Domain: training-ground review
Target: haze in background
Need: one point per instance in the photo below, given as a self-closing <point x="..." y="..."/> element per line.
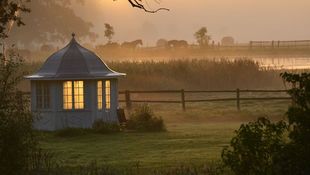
<point x="245" y="20"/>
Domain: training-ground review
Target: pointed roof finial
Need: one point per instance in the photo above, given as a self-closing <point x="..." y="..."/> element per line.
<point x="73" y="35"/>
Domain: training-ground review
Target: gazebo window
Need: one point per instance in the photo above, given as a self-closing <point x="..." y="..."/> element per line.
<point x="99" y="94"/>
<point x="78" y="95"/>
<point x="107" y="94"/>
<point x="42" y="96"/>
<point x="67" y="95"/>
<point x="73" y="92"/>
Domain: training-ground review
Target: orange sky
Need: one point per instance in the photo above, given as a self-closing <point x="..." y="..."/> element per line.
<point x="245" y="20"/>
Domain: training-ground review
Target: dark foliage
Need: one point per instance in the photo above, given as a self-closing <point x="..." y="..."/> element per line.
<point x="260" y="148"/>
<point x="297" y="157"/>
<point x="17" y="139"/>
<point x="254" y="148"/>
<point x="8" y="10"/>
<point x="102" y="127"/>
<point x="143" y="119"/>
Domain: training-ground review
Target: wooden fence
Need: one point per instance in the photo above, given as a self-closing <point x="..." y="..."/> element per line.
<point x="128" y="100"/>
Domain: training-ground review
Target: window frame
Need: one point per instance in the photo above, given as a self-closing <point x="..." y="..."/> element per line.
<point x="43" y="95"/>
<point x="105" y="95"/>
<point x="72" y="103"/>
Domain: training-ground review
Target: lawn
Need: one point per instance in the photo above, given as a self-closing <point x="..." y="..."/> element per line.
<point x="196" y="136"/>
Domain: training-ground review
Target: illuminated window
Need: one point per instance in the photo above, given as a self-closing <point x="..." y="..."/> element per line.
<point x="67" y="95"/>
<point x="107" y="94"/>
<point x="42" y="96"/>
<point x="78" y="95"/>
<point x="73" y="92"/>
<point x="99" y="94"/>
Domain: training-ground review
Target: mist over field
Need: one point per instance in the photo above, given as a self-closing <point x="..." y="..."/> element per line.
<point x="154" y="87"/>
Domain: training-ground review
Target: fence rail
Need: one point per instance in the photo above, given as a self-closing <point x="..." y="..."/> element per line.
<point x="128" y="100"/>
<point x="128" y="94"/>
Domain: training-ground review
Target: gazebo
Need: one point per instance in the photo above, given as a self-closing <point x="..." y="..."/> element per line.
<point x="74" y="88"/>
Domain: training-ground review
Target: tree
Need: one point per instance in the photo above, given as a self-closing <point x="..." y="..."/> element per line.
<point x="260" y="148"/>
<point x="17" y="139"/>
<point x="202" y="37"/>
<point x="9" y="10"/>
<point x="108" y="32"/>
<point x="296" y="159"/>
<point x="53" y="21"/>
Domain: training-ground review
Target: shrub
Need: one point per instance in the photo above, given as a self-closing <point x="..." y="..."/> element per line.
<point x="143" y="119"/>
<point x="72" y="132"/>
<point x="17" y="139"/>
<point x="255" y="147"/>
<point x="102" y="127"/>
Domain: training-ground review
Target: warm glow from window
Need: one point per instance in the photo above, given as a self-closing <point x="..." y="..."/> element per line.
<point x="78" y="95"/>
<point x="67" y="95"/>
<point x="107" y="94"/>
<point x="99" y="94"/>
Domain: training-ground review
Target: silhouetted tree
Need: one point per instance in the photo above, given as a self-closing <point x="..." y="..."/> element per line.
<point x="9" y="10"/>
<point x="108" y="32"/>
<point x="52" y="21"/>
<point x="202" y="37"/>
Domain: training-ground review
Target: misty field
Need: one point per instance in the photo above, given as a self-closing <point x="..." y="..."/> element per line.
<point x="196" y="136"/>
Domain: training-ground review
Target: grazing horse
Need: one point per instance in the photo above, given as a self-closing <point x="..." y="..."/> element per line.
<point x="177" y="44"/>
<point x="132" y="44"/>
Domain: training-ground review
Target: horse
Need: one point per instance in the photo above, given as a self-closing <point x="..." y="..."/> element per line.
<point x="132" y="44"/>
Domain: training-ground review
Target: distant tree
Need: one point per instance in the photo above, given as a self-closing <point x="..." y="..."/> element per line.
<point x="108" y="32"/>
<point x="202" y="37"/>
<point x="52" y="21"/>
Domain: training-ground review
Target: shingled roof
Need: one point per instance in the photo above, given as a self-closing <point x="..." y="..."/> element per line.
<point x="74" y="62"/>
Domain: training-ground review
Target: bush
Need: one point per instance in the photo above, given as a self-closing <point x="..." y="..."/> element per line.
<point x="102" y="127"/>
<point x="256" y="147"/>
<point x="17" y="139"/>
<point x="143" y="119"/>
<point x="72" y="132"/>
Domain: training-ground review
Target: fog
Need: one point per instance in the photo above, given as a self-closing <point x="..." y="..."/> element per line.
<point x="245" y="20"/>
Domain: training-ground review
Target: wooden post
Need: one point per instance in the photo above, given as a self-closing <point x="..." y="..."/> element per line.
<point x="183" y="99"/>
<point x="238" y="99"/>
<point x="127" y="99"/>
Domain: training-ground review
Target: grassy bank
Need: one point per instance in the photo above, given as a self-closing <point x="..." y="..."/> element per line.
<point x="196" y="136"/>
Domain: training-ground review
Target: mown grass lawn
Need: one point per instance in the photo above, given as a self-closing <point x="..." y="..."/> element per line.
<point x="196" y="136"/>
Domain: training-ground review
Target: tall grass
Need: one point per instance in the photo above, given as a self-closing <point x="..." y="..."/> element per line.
<point x="190" y="74"/>
<point x="196" y="74"/>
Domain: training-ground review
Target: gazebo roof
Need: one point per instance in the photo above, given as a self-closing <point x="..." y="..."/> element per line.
<point x="74" y="62"/>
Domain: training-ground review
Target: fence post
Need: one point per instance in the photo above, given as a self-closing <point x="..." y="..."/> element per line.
<point x="127" y="99"/>
<point x="238" y="99"/>
<point x="183" y="99"/>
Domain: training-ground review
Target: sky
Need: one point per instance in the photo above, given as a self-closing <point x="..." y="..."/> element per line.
<point x="245" y="20"/>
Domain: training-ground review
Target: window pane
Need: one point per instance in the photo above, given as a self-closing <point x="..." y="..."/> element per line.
<point x="39" y="97"/>
<point x="99" y="94"/>
<point x="107" y="94"/>
<point x="67" y="95"/>
<point x="78" y="94"/>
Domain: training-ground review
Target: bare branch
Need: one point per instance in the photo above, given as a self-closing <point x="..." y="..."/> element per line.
<point x="138" y="4"/>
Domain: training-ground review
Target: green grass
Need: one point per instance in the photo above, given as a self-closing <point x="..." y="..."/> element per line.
<point x="196" y="136"/>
